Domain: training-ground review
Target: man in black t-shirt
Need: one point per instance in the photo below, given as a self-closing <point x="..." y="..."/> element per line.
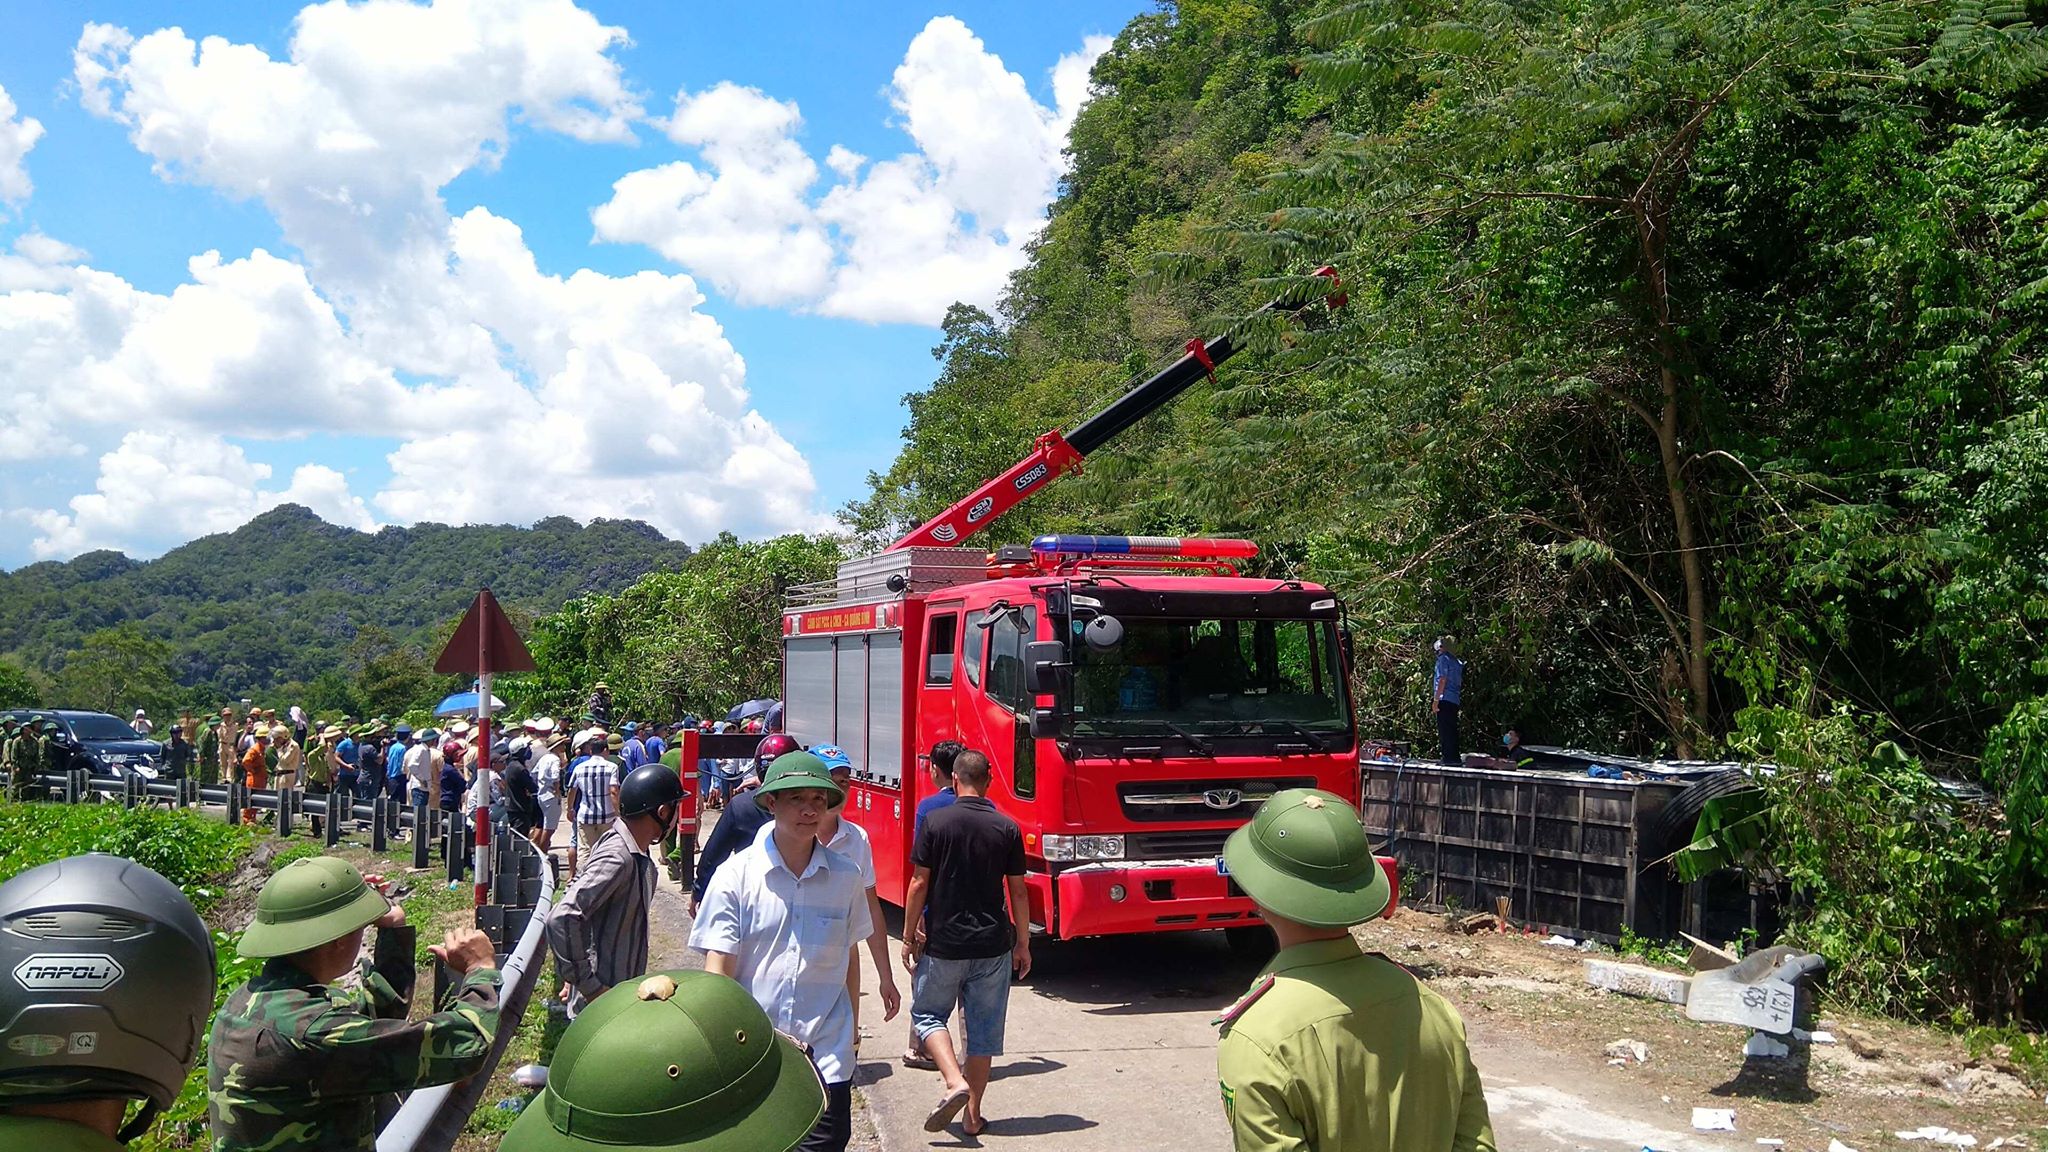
<point x="961" y="942"/>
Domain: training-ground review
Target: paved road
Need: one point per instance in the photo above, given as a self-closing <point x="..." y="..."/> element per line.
<point x="1110" y="1048"/>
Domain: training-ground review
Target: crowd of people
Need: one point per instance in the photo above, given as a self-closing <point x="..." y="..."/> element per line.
<point x="1332" y="1048"/>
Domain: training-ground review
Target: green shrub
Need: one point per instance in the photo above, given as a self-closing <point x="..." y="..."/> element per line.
<point x="185" y="847"/>
<point x="1924" y="902"/>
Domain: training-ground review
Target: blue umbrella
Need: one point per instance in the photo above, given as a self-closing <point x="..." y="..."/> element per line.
<point x="751" y="708"/>
<point x="464" y="704"/>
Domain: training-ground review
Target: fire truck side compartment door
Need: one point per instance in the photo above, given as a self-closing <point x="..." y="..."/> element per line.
<point x="807" y="689"/>
<point x="885" y="760"/>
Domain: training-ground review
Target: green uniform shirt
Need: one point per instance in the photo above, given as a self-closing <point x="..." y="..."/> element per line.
<point x="294" y="1064"/>
<point x="46" y="1135"/>
<point x="1338" y="1050"/>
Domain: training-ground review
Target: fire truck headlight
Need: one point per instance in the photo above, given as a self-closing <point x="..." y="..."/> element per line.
<point x="1057" y="847"/>
<point x="1116" y="892"/>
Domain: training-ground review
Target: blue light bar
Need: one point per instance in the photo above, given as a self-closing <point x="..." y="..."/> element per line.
<point x="1190" y="547"/>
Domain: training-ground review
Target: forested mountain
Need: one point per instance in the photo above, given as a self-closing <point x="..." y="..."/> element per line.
<point x="1691" y="360"/>
<point x="1691" y="373"/>
<point x="289" y="598"/>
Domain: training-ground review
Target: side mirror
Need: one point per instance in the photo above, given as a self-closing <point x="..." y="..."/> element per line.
<point x="1043" y="660"/>
<point x="1045" y="724"/>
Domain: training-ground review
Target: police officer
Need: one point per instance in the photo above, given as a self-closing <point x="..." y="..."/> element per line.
<point x="1335" y="1048"/>
<point x="683" y="1061"/>
<point x="81" y="1037"/>
<point x="297" y="1061"/>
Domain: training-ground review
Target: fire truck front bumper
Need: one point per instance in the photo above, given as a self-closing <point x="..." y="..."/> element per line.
<point x="1114" y="897"/>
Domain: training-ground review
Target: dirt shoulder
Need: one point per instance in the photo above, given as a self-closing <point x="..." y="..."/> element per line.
<point x="1515" y="992"/>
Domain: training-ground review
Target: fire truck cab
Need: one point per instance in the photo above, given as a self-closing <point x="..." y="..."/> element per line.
<point x="1137" y="700"/>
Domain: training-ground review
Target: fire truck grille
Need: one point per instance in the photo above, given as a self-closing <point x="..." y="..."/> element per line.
<point x="1191" y="845"/>
<point x="1187" y="800"/>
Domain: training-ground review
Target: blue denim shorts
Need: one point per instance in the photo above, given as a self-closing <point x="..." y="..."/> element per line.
<point x="980" y="987"/>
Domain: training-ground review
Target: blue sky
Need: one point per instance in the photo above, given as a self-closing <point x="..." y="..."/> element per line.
<point x="418" y="342"/>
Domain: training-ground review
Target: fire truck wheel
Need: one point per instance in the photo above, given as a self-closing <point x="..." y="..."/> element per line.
<point x="1251" y="942"/>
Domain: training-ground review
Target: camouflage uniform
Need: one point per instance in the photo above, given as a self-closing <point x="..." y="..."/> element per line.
<point x="293" y="1064"/>
<point x="9" y="741"/>
<point x="208" y="761"/>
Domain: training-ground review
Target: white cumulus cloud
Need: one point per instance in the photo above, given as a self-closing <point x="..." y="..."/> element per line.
<point x="18" y="134"/>
<point x="158" y="489"/>
<point x="377" y="106"/>
<point x="896" y="240"/>
<point x="746" y="225"/>
<point x="507" y="393"/>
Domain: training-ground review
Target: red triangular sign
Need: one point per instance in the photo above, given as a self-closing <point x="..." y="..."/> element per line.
<point x="485" y="641"/>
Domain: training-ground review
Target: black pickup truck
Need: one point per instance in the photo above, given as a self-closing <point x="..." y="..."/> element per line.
<point x="104" y="745"/>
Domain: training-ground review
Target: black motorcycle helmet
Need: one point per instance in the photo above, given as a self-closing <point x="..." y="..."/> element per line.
<point x="113" y="977"/>
<point x="649" y="787"/>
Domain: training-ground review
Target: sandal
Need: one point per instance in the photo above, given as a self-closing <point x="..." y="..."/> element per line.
<point x="948" y="1107"/>
<point x="919" y="1061"/>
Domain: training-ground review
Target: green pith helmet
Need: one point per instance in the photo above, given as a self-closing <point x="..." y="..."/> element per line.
<point x="793" y="770"/>
<point x="1306" y="857"/>
<point x="682" y="1062"/>
<point x="308" y="903"/>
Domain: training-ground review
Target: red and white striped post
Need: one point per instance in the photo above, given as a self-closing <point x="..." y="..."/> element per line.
<point x="484" y="859"/>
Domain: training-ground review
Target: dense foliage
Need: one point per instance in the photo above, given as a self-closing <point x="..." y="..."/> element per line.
<point x="290" y="608"/>
<point x="698" y="639"/>
<point x="185" y="847"/>
<point x="1690" y="372"/>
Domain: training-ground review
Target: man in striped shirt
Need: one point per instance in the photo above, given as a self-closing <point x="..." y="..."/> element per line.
<point x="593" y="792"/>
<point x="599" y="929"/>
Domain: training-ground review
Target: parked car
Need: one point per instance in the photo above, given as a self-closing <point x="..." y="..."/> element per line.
<point x="104" y="745"/>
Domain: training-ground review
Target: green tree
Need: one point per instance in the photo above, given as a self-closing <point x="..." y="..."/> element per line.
<point x="118" y="668"/>
<point x="701" y="638"/>
<point x="389" y="676"/>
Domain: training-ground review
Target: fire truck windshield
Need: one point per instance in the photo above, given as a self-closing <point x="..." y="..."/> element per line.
<point x="1214" y="678"/>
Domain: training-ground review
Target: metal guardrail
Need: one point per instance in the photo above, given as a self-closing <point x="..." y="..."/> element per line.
<point x="522" y="892"/>
<point x="432" y="1118"/>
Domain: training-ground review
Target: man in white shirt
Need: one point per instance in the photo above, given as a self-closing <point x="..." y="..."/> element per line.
<point x="851" y="841"/>
<point x="782" y="917"/>
<point x="423" y="769"/>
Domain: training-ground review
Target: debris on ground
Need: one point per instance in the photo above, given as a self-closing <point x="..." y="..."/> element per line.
<point x="1706" y="957"/>
<point x="1635" y="980"/>
<point x="1838" y="1146"/>
<point x="1940" y="1135"/>
<point x="1713" y="1119"/>
<point x="1560" y="942"/>
<point x="1476" y="922"/>
<point x="1860" y="1043"/>
<point x="1622" y="1051"/>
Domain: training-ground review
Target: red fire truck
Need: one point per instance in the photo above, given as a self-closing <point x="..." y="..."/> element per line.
<point x="1137" y="697"/>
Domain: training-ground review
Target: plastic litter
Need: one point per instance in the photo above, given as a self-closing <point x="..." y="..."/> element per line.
<point x="1940" y="1135"/>
<point x="1621" y="1052"/>
<point x="1560" y="942"/>
<point x="1770" y="1141"/>
<point x="531" y="1076"/>
<point x="1822" y="1037"/>
<point x="1838" y="1146"/>
<point x="1713" y="1119"/>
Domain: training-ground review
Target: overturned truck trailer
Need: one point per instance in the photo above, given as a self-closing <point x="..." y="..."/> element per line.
<point x="1571" y="853"/>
